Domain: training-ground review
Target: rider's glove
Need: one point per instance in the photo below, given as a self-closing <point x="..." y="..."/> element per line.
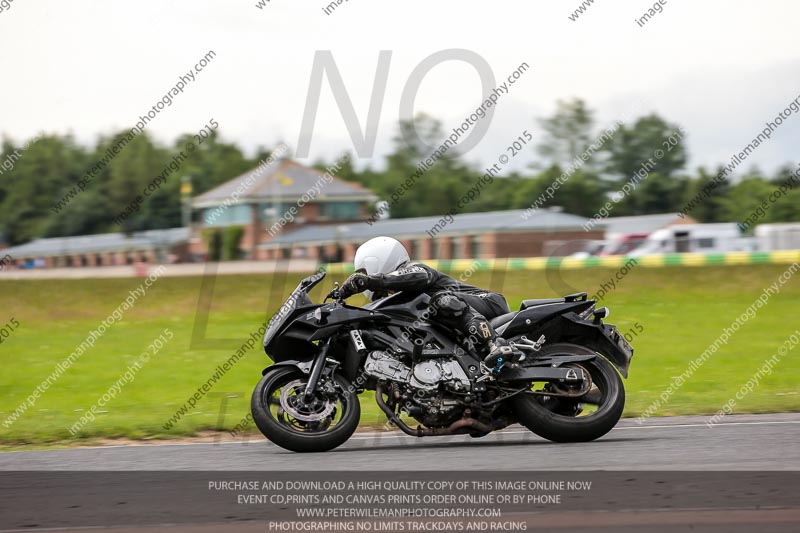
<point x="355" y="284"/>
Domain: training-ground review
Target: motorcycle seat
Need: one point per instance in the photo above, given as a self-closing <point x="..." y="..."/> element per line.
<point x="540" y="301"/>
<point x="498" y="321"/>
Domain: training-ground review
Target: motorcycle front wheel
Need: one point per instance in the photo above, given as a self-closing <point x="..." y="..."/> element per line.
<point x="581" y="419"/>
<point x="285" y="417"/>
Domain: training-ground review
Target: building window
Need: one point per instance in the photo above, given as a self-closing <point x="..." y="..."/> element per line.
<point x="456" y="247"/>
<point x="419" y="246"/>
<point x="339" y="210"/>
<point x="474" y="247"/>
<point x="414" y="251"/>
<point x="234" y="215"/>
<point x="272" y="212"/>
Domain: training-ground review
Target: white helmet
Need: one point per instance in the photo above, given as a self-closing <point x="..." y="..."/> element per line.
<point x="380" y="255"/>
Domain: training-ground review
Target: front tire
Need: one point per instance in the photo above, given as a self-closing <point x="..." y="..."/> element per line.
<point x="321" y="425"/>
<point x="560" y="420"/>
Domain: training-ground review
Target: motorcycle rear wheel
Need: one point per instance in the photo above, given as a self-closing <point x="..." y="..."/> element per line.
<point x="318" y="426"/>
<point x="560" y="420"/>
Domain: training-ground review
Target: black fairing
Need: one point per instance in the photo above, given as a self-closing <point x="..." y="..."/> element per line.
<point x="540" y="315"/>
<point x="407" y="305"/>
<point x="572" y="329"/>
<point x="602" y="338"/>
<point x="559" y="322"/>
<point x="296" y="340"/>
<point x="284" y="347"/>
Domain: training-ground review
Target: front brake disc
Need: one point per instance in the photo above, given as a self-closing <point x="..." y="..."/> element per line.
<point x="292" y="404"/>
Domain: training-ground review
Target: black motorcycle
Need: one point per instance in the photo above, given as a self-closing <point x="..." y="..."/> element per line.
<point x="564" y="384"/>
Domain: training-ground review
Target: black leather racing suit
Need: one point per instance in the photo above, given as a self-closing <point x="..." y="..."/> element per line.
<point x="455" y="304"/>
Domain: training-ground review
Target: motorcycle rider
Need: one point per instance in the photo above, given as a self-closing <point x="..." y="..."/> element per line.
<point x="383" y="265"/>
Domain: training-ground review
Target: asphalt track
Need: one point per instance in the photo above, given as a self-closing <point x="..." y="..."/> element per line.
<point x="742" y="442"/>
<point x="667" y="474"/>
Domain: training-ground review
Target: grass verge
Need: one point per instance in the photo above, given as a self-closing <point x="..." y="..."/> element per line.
<point x="673" y="314"/>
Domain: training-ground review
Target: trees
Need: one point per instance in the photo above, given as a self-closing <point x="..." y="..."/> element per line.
<point x="787" y="207"/>
<point x="568" y="132"/>
<point x="136" y="165"/>
<point x="45" y="169"/>
<point x="30" y="184"/>
<point x="439" y="180"/>
<point x="52" y="166"/>
<point x="571" y="144"/>
<point x="650" y="138"/>
<point x="584" y="194"/>
<point x="711" y="208"/>
<point x="656" y="193"/>
<point x="741" y="199"/>
<point x="213" y="162"/>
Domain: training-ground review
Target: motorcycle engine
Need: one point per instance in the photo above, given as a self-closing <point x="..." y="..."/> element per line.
<point x="427" y="387"/>
<point x="426" y="375"/>
<point x="429" y="374"/>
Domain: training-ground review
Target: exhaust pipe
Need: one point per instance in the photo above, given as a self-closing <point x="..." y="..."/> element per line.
<point x="392" y="416"/>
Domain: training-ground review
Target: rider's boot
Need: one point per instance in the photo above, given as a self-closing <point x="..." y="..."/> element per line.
<point x="499" y="351"/>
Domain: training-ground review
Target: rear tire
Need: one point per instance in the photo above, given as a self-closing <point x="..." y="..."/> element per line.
<point x="557" y="423"/>
<point x="298" y="436"/>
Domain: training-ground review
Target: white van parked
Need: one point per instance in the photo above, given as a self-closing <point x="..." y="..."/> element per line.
<point x="696" y="238"/>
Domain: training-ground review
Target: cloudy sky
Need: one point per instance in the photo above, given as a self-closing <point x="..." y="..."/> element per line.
<point x="719" y="68"/>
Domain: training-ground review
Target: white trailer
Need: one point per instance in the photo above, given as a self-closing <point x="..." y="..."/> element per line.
<point x="784" y="236"/>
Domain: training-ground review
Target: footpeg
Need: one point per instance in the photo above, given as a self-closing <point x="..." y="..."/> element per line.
<point x="524" y="343"/>
<point x="486" y="373"/>
<point x="499" y="353"/>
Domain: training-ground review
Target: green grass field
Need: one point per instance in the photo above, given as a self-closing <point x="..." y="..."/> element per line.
<point x="681" y="311"/>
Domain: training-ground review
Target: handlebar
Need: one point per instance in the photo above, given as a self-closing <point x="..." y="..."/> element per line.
<point x="335" y="294"/>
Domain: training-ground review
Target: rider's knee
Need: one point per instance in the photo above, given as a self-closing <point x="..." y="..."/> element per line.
<point x="449" y="305"/>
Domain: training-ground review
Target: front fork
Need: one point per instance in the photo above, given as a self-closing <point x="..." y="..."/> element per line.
<point x="317" y="366"/>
